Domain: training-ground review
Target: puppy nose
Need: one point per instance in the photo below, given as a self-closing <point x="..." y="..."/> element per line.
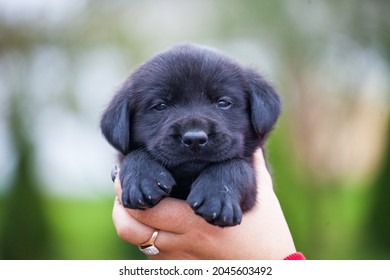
<point x="194" y="138"/>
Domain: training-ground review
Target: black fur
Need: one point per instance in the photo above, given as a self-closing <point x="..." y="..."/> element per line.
<point x="187" y="123"/>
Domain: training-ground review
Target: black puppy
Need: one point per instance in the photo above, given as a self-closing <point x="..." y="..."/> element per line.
<point x="187" y="123"/>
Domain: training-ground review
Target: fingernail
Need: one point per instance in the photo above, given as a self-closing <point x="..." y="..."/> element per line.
<point x="114" y="172"/>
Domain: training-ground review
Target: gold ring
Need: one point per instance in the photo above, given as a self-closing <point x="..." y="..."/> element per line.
<point x="148" y="247"/>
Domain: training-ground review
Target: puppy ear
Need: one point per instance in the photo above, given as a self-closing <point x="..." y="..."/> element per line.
<point x="264" y="104"/>
<point x="115" y="123"/>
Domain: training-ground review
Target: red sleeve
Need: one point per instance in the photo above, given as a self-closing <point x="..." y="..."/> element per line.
<point x="295" y="256"/>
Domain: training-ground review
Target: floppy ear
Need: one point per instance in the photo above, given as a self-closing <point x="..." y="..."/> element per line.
<point x="115" y="123"/>
<point x="264" y="104"/>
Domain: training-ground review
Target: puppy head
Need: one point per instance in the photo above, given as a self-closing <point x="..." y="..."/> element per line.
<point x="191" y="106"/>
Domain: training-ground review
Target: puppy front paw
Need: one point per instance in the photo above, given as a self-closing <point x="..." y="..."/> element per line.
<point x="139" y="192"/>
<point x="219" y="208"/>
<point x="144" y="184"/>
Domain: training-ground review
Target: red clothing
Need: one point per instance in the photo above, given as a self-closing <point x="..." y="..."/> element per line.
<point x="295" y="256"/>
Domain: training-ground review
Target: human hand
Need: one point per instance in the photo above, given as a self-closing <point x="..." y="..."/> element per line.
<point x="263" y="233"/>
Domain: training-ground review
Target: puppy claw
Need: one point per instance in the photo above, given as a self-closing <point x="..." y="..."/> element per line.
<point x="165" y="188"/>
<point x="142" y="204"/>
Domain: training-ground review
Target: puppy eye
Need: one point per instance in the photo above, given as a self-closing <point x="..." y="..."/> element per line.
<point x="160" y="107"/>
<point x="223" y="104"/>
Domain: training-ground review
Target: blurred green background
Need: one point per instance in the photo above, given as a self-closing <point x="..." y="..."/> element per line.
<point x="62" y="60"/>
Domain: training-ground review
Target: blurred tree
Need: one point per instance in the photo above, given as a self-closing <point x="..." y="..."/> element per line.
<point x="374" y="31"/>
<point x="379" y="222"/>
<point x="25" y="231"/>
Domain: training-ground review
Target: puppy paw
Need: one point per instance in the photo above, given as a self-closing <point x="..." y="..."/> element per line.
<point x="144" y="184"/>
<point x="217" y="208"/>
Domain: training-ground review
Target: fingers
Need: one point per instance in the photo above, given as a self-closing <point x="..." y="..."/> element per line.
<point x="136" y="226"/>
<point x="133" y="231"/>
<point x="127" y="227"/>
